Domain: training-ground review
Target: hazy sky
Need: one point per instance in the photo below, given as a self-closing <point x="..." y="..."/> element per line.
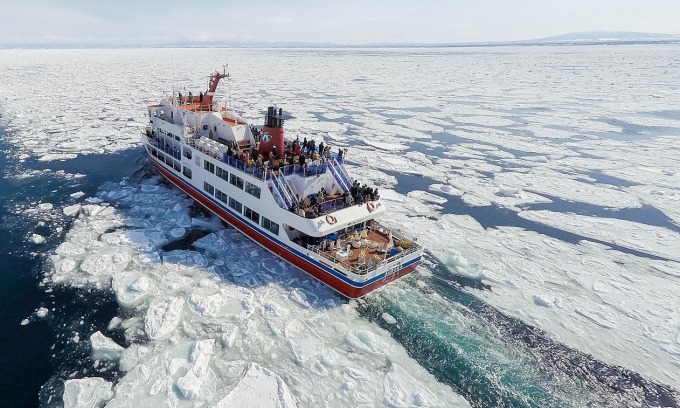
<point x="353" y="21"/>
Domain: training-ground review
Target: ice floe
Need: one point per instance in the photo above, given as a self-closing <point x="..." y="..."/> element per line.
<point x="649" y="239"/>
<point x="493" y="137"/>
<point x="103" y="348"/>
<point x="86" y="393"/>
<point x="225" y="322"/>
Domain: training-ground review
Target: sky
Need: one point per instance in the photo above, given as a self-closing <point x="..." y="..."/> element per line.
<point x="142" y="22"/>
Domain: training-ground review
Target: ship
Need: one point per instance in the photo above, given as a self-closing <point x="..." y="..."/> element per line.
<point x="293" y="198"/>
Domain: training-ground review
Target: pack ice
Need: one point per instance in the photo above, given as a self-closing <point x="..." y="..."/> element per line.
<point x="222" y="324"/>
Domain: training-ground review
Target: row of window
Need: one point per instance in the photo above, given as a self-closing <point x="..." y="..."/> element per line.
<point x="235" y="180"/>
<point x="252" y="189"/>
<point x="266" y="223"/>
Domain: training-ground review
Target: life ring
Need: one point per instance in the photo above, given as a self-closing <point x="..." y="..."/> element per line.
<point x="330" y="219"/>
<point x="370" y="206"/>
<point x="205" y="127"/>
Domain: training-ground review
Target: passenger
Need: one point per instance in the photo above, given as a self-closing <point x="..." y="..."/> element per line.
<point x="275" y="151"/>
<point x="367" y="191"/>
<point x="304" y="144"/>
<point x="321" y="148"/>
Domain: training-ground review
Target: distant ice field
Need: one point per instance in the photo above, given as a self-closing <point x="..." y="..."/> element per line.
<point x="547" y="176"/>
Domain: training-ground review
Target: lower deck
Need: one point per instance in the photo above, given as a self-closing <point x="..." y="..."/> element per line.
<point x="363" y="250"/>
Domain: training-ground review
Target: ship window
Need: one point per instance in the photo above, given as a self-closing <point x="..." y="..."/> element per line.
<point x="207" y="187"/>
<point x="221" y="173"/>
<point x="270" y="226"/>
<point x="187" y="153"/>
<point x="209" y="166"/>
<point x="235" y="180"/>
<point x="198" y="161"/>
<point x="235" y="205"/>
<point x="187" y="172"/>
<point x="221" y="196"/>
<point x="252" y="189"/>
<point x="252" y="215"/>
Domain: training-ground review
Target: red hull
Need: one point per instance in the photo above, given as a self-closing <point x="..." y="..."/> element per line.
<point x="310" y="266"/>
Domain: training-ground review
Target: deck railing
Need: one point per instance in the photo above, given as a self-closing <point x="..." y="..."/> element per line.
<point x="363" y="269"/>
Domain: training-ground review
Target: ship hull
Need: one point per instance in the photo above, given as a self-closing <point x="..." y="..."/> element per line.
<point x="342" y="285"/>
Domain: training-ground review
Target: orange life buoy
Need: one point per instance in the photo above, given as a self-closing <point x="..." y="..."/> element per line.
<point x="370" y="206"/>
<point x="330" y="219"/>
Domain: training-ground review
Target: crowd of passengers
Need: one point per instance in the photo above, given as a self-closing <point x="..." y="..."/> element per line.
<point x="307" y="152"/>
<point x="358" y="194"/>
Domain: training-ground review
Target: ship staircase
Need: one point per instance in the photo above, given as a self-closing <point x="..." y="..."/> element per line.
<point x="340" y="176"/>
<point x="283" y="190"/>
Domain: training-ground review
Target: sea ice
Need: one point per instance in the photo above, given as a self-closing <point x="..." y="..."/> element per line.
<point x="259" y="388"/>
<point x="103" y="348"/>
<point x="87" y="393"/>
<point x="37" y="238"/>
<point x="71" y="210"/>
<point x="162" y="317"/>
<point x="388" y="318"/>
<point x="219" y="321"/>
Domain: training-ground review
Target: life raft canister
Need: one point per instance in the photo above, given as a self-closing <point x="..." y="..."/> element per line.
<point x="330" y="219"/>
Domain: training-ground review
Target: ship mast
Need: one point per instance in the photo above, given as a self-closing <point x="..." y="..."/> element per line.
<point x="212" y="85"/>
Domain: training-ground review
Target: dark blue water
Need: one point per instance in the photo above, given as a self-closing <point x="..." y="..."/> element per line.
<point x="36" y="358"/>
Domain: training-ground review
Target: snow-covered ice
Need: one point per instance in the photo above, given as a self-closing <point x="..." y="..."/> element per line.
<point x="213" y="327"/>
<point x="86" y="393"/>
<point x="103" y="348"/>
<point x="36" y="238"/>
<point x="492" y="138"/>
<point x="259" y="388"/>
